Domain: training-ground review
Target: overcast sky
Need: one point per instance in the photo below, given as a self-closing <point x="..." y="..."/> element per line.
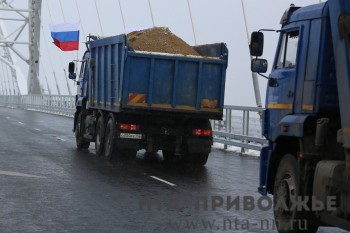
<point x="214" y="21"/>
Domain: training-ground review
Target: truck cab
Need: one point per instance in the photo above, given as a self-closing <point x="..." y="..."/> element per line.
<point x="303" y="73"/>
<point x="303" y="117"/>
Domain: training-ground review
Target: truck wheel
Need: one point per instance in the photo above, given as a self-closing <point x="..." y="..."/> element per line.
<point x="200" y="159"/>
<point x="196" y="159"/>
<point x="80" y="141"/>
<point x="110" y="136"/>
<point x="100" y="136"/>
<point x="168" y="157"/>
<point x="127" y="155"/>
<point x="286" y="190"/>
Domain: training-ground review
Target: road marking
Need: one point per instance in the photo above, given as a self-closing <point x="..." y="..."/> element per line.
<point x="8" y="173"/>
<point x="37" y="129"/>
<point x="164" y="181"/>
<point x="21" y="123"/>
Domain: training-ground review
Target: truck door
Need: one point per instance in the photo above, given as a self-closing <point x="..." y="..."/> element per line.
<point x="281" y="90"/>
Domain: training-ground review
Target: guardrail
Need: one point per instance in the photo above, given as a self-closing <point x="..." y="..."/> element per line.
<point x="239" y="127"/>
<point x="56" y="104"/>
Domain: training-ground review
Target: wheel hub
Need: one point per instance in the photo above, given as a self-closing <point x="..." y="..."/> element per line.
<point x="286" y="194"/>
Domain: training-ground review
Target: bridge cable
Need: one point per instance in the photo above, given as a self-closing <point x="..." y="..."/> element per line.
<point x="82" y="28"/>
<point x="190" y="11"/>
<point x="5" y="55"/>
<point x="64" y="70"/>
<point x="254" y="75"/>
<point x="8" y="79"/>
<point x="47" y="85"/>
<point x="150" y="8"/>
<point x="64" y="20"/>
<point x="4" y="78"/>
<point x="44" y="70"/>
<point x="58" y="88"/>
<point x="60" y="55"/>
<point x="13" y="81"/>
<point x="98" y="16"/>
<point x="122" y="15"/>
<point x="49" y="59"/>
<point x="1" y="90"/>
<point x="7" y="90"/>
<point x="64" y="17"/>
<point x="2" y="86"/>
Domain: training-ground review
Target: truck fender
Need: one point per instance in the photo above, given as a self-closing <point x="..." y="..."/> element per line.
<point x="80" y="101"/>
<point x="76" y="114"/>
<point x="265" y="157"/>
<point x="290" y="126"/>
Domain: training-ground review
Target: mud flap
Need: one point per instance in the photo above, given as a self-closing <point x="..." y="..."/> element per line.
<point x="76" y="114"/>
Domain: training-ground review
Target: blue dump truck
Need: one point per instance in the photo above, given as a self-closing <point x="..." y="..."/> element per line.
<point x="130" y="100"/>
<point x="306" y="164"/>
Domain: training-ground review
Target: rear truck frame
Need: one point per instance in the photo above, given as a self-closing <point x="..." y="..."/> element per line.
<point x="307" y="118"/>
<point x="131" y="100"/>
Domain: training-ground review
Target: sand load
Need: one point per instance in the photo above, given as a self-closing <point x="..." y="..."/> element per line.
<point x="159" y="39"/>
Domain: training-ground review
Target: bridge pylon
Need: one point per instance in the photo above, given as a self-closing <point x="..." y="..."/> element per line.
<point x="30" y="18"/>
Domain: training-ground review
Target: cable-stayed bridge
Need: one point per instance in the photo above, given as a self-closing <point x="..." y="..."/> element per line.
<point x="38" y="67"/>
<point x="49" y="186"/>
<point x="29" y="57"/>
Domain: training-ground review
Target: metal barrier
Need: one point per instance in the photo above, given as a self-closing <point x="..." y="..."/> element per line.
<point x="55" y="104"/>
<point x="238" y="128"/>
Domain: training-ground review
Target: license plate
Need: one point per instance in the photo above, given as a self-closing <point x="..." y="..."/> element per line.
<point x="130" y="135"/>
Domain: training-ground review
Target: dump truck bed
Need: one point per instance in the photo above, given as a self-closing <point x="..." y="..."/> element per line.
<point x="126" y="80"/>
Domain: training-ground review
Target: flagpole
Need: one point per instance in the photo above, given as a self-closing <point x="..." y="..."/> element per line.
<point x="76" y="69"/>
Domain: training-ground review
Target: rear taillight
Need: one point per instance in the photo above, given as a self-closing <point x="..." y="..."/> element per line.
<point x="129" y="127"/>
<point x="201" y="132"/>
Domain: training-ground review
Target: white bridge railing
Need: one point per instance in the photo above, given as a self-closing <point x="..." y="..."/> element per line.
<point x="240" y="126"/>
<point x="56" y="104"/>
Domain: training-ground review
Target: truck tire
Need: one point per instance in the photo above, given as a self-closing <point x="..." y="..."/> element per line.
<point x="286" y="189"/>
<point x="110" y="137"/>
<point x="197" y="156"/>
<point x="196" y="159"/>
<point x="100" y="136"/>
<point x="79" y="139"/>
<point x="128" y="155"/>
<point x="168" y="156"/>
<point x="200" y="159"/>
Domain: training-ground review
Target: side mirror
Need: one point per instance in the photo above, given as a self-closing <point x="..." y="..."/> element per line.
<point x="259" y="65"/>
<point x="256" y="45"/>
<point x="71" y="67"/>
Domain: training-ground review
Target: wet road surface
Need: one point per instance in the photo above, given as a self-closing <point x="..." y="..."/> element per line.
<point x="47" y="185"/>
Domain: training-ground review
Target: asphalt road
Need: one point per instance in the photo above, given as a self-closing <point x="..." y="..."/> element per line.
<point x="47" y="185"/>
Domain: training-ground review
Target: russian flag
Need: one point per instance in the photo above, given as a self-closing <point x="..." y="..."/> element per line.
<point x="65" y="36"/>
